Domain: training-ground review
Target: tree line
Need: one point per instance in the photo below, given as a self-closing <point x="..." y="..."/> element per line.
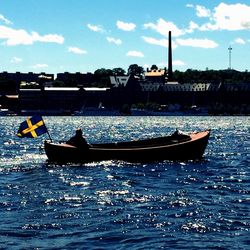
<point x="101" y="77"/>
<point x="188" y="76"/>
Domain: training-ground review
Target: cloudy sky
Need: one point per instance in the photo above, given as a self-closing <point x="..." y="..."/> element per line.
<point x="81" y="35"/>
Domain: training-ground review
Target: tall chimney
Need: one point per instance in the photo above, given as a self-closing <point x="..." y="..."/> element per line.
<point x="170" y="70"/>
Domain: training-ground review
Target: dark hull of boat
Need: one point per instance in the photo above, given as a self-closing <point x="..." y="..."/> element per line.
<point x="157" y="149"/>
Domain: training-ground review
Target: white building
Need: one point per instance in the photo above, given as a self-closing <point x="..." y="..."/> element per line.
<point x="154" y="79"/>
<point x="175" y="86"/>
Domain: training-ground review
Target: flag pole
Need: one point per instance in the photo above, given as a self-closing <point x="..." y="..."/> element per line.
<point x="49" y="135"/>
<point x="47" y="131"/>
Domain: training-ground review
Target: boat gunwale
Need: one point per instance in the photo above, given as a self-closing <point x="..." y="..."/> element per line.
<point x="193" y="136"/>
<point x="150" y="147"/>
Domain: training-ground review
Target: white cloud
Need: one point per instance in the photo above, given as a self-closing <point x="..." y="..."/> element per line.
<point x="239" y="41"/>
<point x="229" y="17"/>
<point x="200" y="43"/>
<point x="50" y="38"/>
<point x="246" y="25"/>
<point x="134" y="53"/>
<point x="113" y="40"/>
<point x="175" y="63"/>
<point x="16" y="60"/>
<point x="95" y="28"/>
<point x="145" y="66"/>
<point x="178" y="63"/>
<point x="161" y="65"/>
<point x="125" y="26"/>
<point x="160" y="42"/>
<point x="222" y="17"/>
<point x="40" y="65"/>
<point x="5" y="20"/>
<point x="76" y="50"/>
<point x="163" y="27"/>
<point x="14" y="37"/>
<point x="201" y="11"/>
<point x="192" y="27"/>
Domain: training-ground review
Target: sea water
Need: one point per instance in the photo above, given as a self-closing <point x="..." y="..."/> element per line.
<point x="201" y="204"/>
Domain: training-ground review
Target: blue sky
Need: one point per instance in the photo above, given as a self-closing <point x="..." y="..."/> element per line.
<point x="84" y="35"/>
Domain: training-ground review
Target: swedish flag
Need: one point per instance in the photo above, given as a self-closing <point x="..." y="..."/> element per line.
<point x="32" y="127"/>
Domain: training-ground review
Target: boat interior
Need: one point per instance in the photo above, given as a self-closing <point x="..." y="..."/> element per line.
<point x="160" y="141"/>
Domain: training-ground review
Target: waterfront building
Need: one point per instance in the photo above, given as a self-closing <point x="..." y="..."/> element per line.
<point x="18" y="77"/>
<point x="59" y="100"/>
<point x="76" y="79"/>
<point x="119" y="81"/>
<point x="153" y="80"/>
<point x="175" y="86"/>
<point x="156" y="75"/>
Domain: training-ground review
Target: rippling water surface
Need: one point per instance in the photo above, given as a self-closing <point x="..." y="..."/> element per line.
<point x="118" y="205"/>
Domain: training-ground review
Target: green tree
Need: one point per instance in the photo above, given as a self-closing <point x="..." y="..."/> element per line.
<point x="103" y="72"/>
<point x="102" y="77"/>
<point x="118" y="72"/>
<point x="135" y="70"/>
<point x="154" y="67"/>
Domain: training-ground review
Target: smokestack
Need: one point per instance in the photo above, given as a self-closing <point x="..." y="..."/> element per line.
<point x="170" y="70"/>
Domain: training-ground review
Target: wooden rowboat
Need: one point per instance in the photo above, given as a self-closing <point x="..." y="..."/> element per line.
<point x="180" y="147"/>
